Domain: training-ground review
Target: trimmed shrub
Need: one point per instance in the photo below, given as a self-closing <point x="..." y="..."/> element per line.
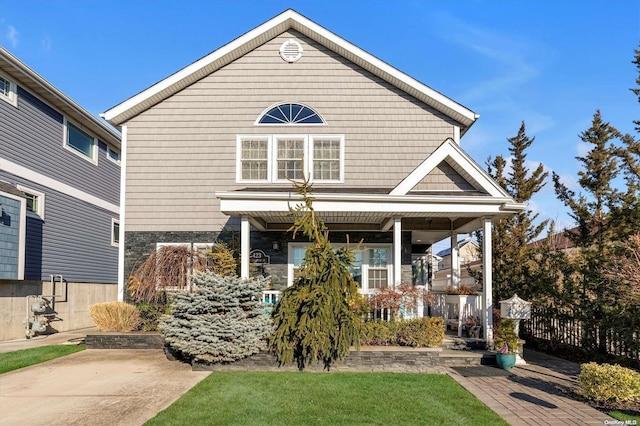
<point x="221" y="320"/>
<point x="609" y="383"/>
<point x="423" y="332"/>
<point x="378" y="333"/>
<point x="115" y="316"/>
<point x="420" y="333"/>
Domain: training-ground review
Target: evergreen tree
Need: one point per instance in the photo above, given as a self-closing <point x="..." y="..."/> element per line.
<point x="221" y="320"/>
<point x="514" y="257"/>
<point x="315" y="320"/>
<point x="595" y="233"/>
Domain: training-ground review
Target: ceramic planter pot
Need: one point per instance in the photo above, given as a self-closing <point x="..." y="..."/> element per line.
<point x="506" y="361"/>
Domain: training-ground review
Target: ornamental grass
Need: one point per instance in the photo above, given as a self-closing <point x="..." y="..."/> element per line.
<point x="115" y="316"/>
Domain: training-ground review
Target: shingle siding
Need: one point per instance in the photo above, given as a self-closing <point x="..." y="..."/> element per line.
<point x="184" y="149"/>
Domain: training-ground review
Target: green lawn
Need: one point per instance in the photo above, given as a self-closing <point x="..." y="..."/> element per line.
<point x="10" y="361"/>
<point x="622" y="416"/>
<point x="285" y="398"/>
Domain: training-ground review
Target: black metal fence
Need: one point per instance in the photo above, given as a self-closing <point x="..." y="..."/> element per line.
<point x="563" y="328"/>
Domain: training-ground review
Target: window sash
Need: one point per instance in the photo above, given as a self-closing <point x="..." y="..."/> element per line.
<point x="80" y="141"/>
<point x="5" y="87"/>
<point x="254" y="159"/>
<point x="289" y="158"/>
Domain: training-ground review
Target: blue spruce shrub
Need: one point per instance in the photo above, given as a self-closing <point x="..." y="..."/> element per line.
<point x="221" y="320"/>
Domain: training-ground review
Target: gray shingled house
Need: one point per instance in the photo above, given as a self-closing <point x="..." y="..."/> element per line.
<point x="212" y="148"/>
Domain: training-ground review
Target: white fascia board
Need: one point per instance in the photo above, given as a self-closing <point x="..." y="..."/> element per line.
<point x="289" y="19"/>
<point x="450" y="149"/>
<point x="198" y="65"/>
<point x="100" y="128"/>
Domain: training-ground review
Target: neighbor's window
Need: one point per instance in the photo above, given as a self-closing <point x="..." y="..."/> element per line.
<point x="35" y="201"/>
<point x="113" y="155"/>
<point x="254" y="159"/>
<point x="80" y="142"/>
<point x="289" y="158"/>
<point x="8" y="90"/>
<point x="115" y="232"/>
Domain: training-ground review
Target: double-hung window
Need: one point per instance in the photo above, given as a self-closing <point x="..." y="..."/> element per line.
<point x="290" y="157"/>
<point x="327" y="158"/>
<point x="80" y="143"/>
<point x="253" y="164"/>
<point x="35" y="202"/>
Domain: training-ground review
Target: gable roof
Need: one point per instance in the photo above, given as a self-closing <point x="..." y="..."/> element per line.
<point x="37" y="85"/>
<point x="458" y="159"/>
<point x="287" y="20"/>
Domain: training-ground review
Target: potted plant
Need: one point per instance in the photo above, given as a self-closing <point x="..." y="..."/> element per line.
<point x="506" y="343"/>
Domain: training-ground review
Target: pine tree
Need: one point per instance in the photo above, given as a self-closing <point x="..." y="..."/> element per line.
<point x="221" y="320"/>
<point x="595" y="232"/>
<point x="514" y="257"/>
<point x="314" y="320"/>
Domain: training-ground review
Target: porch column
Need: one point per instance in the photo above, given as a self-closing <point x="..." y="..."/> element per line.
<point x="455" y="264"/>
<point x="487" y="281"/>
<point x="397" y="251"/>
<point x="245" y="247"/>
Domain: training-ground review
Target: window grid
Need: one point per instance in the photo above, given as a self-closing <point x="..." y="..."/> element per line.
<point x="5" y="87"/>
<point x="32" y="202"/>
<point x="290" y="156"/>
<point x="254" y="159"/>
<point x="326" y="159"/>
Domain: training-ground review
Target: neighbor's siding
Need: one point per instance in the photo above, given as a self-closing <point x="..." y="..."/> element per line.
<point x="184" y="149"/>
<point x="32" y="136"/>
<point x="9" y="237"/>
<point x="74" y="239"/>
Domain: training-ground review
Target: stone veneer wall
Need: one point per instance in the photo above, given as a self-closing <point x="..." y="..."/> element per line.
<point x="71" y="309"/>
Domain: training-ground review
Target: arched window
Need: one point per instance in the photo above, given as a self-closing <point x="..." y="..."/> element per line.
<point x="290" y="113"/>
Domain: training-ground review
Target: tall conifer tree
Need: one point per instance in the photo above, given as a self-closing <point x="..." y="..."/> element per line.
<point x="594" y="233"/>
<point x="513" y="256"/>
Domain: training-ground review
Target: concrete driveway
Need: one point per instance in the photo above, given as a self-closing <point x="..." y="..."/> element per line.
<point x="96" y="387"/>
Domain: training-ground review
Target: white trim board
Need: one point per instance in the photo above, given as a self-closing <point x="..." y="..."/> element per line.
<point x="22" y="232"/>
<point x="452" y="152"/>
<point x="56" y="185"/>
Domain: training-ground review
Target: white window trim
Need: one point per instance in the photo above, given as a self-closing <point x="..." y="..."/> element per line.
<point x="364" y="266"/>
<point x="40" y="213"/>
<point x="270" y="107"/>
<point x="65" y="142"/>
<point x="12" y="98"/>
<point x="239" y="139"/>
<point x="22" y="232"/>
<point x="110" y="150"/>
<point x="312" y="139"/>
<point x="113" y="240"/>
<point x="272" y="156"/>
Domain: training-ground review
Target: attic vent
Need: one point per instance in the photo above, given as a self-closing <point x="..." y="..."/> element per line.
<point x="291" y="51"/>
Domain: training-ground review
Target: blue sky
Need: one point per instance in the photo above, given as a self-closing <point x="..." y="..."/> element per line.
<point x="549" y="63"/>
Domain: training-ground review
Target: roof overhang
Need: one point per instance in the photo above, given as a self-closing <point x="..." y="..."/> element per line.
<point x="287" y="20"/>
<point x="38" y="86"/>
<point x="438" y="215"/>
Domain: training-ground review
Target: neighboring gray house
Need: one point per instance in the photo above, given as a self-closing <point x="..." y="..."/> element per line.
<point x="209" y="151"/>
<point x="59" y="188"/>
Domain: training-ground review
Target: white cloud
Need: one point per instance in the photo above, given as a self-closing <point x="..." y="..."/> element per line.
<point x="583" y="148"/>
<point x="12" y="35"/>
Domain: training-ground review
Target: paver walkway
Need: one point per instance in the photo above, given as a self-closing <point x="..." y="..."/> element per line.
<point x="532" y="394"/>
